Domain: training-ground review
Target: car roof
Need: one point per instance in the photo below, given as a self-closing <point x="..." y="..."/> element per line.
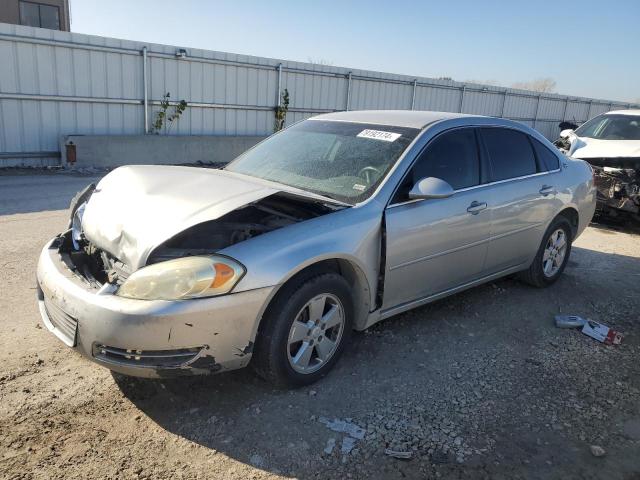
<point x="624" y="112"/>
<point x="395" y="118"/>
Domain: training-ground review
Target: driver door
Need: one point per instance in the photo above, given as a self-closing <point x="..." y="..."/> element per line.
<point x="434" y="245"/>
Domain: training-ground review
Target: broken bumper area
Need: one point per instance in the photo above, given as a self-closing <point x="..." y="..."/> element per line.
<point x="618" y="184"/>
<point x="142" y="338"/>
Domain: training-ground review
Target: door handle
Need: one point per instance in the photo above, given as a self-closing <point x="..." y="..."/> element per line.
<point x="476" y="207"/>
<point x="546" y="190"/>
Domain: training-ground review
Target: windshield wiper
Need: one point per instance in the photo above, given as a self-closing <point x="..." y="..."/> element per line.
<point x="331" y="197"/>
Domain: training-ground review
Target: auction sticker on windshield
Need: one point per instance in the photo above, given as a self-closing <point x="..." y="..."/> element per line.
<point x="379" y="135"/>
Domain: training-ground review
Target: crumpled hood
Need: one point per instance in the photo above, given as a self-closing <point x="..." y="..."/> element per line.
<point x="585" y="148"/>
<point x="136" y="208"/>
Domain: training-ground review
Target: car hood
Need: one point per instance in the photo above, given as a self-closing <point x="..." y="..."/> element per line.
<point x="585" y="148"/>
<point x="136" y="208"/>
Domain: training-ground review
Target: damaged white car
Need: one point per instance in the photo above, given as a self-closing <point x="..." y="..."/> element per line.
<point x="328" y="226"/>
<point x="611" y="144"/>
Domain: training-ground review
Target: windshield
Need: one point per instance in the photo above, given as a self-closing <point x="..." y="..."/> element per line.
<point x="342" y="160"/>
<point x="611" y="127"/>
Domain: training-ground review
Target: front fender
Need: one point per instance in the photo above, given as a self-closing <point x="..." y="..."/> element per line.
<point x="352" y="234"/>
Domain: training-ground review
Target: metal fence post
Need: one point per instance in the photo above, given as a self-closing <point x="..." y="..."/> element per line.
<point x="589" y="110"/>
<point x="566" y="106"/>
<point x="504" y="100"/>
<point x="278" y="95"/>
<point x="348" y="91"/>
<point x="413" y="95"/>
<point x="535" y="118"/>
<point x="145" y="90"/>
<point x="464" y="87"/>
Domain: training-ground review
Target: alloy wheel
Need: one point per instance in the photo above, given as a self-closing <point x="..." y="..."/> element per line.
<point x="554" y="253"/>
<point x="315" y="333"/>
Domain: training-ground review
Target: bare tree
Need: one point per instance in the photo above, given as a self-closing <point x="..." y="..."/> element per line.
<point x="543" y="85"/>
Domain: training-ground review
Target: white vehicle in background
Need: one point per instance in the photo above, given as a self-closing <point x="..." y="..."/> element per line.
<point x="611" y="144"/>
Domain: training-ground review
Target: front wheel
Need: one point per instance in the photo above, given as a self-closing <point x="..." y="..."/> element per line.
<point x="552" y="256"/>
<point x="305" y="330"/>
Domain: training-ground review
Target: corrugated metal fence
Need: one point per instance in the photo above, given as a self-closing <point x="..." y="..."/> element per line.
<point x="58" y="83"/>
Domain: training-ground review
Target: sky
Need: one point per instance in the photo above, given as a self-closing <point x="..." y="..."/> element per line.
<point x="590" y="48"/>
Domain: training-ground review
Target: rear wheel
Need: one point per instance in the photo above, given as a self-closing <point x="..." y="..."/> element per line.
<point x="305" y="330"/>
<point x="552" y="256"/>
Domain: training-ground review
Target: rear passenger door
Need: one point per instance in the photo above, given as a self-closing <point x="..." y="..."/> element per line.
<point x="523" y="194"/>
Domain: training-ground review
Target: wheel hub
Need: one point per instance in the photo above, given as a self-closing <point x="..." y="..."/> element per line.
<point x="315" y="333"/>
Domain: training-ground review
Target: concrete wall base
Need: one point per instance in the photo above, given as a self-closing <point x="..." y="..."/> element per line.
<point x="105" y="151"/>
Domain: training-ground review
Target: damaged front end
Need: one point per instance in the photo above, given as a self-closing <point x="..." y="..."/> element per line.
<point x="617" y="179"/>
<point x="170" y="213"/>
<point x="268" y="214"/>
<point x="137" y="282"/>
<point x="618" y="183"/>
<point x="102" y="270"/>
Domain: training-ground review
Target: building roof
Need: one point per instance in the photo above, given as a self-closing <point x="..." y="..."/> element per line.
<point x="398" y="118"/>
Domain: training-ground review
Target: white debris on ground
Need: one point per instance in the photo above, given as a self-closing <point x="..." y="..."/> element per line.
<point x="331" y="443"/>
<point x="343" y="426"/>
<point x="397" y="454"/>
<point x="349" y="441"/>
<point x="347" y="445"/>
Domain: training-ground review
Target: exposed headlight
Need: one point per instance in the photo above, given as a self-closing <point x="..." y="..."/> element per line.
<point x="76" y="226"/>
<point x="182" y="278"/>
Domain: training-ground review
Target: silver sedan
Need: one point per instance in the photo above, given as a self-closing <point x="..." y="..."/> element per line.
<point x="331" y="225"/>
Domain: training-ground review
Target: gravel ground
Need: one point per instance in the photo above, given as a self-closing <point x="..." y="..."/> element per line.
<point x="479" y="385"/>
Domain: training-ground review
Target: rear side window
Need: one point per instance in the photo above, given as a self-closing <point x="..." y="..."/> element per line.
<point x="510" y="152"/>
<point x="546" y="158"/>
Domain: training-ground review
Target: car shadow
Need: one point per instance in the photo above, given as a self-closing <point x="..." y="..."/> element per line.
<point x="613" y="225"/>
<point x="395" y="366"/>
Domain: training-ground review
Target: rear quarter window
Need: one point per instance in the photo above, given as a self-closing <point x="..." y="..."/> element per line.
<point x="547" y="159"/>
<point x="510" y="152"/>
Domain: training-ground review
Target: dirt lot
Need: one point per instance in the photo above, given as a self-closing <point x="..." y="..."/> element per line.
<point x="480" y="385"/>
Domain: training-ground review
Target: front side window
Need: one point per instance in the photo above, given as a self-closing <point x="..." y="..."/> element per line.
<point x="611" y="127"/>
<point x="39" y="15"/>
<point x="340" y="160"/>
<point x="452" y="157"/>
<point x="510" y="153"/>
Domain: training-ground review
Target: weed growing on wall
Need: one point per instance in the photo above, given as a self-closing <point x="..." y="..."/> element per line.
<point x="167" y="115"/>
<point x="281" y="110"/>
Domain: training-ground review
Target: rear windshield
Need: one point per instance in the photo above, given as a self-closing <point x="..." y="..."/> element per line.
<point x="341" y="160"/>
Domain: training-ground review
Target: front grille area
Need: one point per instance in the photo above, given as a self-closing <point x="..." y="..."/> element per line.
<point x="65" y="325"/>
<point x="146" y="358"/>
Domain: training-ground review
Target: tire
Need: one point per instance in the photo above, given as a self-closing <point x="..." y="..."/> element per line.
<point x="275" y="353"/>
<point x="536" y="275"/>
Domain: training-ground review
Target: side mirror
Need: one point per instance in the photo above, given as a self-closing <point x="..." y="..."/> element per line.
<point x="567" y="133"/>
<point x="431" y="187"/>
